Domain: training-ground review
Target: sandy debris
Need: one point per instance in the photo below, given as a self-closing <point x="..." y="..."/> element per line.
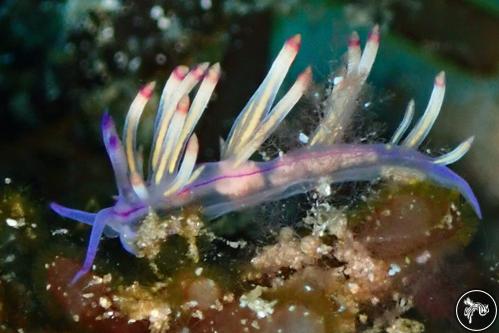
<point x="403" y="325"/>
<point x="367" y="276"/>
<point x="153" y="232"/>
<point x="290" y="252"/>
<point x="140" y="303"/>
<point x="254" y="302"/>
<point x="326" y="220"/>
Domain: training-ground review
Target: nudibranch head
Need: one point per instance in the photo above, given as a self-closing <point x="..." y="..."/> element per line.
<point x="175" y="180"/>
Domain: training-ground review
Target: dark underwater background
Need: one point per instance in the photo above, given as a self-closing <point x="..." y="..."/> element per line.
<point x="64" y="62"/>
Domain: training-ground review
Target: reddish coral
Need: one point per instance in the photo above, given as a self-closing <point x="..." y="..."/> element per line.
<point x="81" y="301"/>
<point x="410" y="221"/>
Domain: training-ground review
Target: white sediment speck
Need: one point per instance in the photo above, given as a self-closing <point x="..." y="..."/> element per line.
<point x="354" y="287"/>
<point x="107" y="34"/>
<point x="394" y="270"/>
<point x="303" y="138"/>
<point x="104" y="302"/>
<point x="254" y="302"/>
<point x="61" y="231"/>
<point x="164" y="23"/>
<point x="9" y="258"/>
<point x="205" y="4"/>
<point x="134" y="64"/>
<point x="7" y="181"/>
<point x="111" y="5"/>
<point x="11" y="222"/>
<point x="423" y="257"/>
<point x="121" y="59"/>
<point x="324" y="189"/>
<point x="337" y="80"/>
<point x="15" y="223"/>
<point x="156" y="12"/>
<point x="236" y="244"/>
<point x="160" y="58"/>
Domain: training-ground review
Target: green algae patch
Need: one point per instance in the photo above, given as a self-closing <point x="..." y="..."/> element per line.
<point x="22" y="236"/>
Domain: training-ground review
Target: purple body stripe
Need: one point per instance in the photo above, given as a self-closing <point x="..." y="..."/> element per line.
<point x="127" y="213"/>
<point x="382" y="150"/>
<point x="209" y="181"/>
<point x="277" y="165"/>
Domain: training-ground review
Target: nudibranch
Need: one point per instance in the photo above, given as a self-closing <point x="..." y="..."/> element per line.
<point x="174" y="180"/>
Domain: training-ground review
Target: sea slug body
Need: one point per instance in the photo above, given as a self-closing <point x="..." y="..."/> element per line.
<point x="174" y="180"/>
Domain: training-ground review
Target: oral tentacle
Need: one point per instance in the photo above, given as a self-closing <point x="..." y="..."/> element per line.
<point x="73" y="214"/>
<point x="98" y="226"/>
